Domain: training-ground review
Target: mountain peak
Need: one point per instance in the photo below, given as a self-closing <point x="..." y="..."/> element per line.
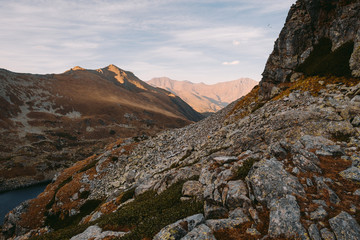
<point x="76" y="68"/>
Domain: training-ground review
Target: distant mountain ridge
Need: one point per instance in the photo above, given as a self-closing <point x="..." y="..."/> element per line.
<point x="206" y="98"/>
<point x="49" y="121"/>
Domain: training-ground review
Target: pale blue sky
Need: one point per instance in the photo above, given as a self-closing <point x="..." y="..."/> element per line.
<point x="201" y="41"/>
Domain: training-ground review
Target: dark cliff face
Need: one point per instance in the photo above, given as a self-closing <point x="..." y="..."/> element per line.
<point x="307" y="23"/>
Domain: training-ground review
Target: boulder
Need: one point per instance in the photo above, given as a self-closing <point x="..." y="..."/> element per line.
<point x="193" y="189"/>
<point x="285" y="219"/>
<point x="236" y="194"/>
<point x="345" y="226"/>
<point x="201" y="232"/>
<point x="270" y="181"/>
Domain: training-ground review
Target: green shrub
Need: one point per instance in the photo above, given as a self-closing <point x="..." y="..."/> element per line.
<point x="322" y="61"/>
<point x="150" y="212"/>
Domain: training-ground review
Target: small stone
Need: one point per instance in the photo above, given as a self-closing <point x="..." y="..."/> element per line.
<point x="314" y="232"/>
<point x="357" y="192"/>
<point x="326" y="234"/>
<point x="320" y="202"/>
<point x="253" y="232"/>
<point x="318" y="214"/>
<point x="352" y="208"/>
<point x="295" y="170"/>
<point x="309" y="182"/>
<point x="254" y="214"/>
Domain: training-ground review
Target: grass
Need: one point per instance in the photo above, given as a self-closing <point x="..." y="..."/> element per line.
<point x="323" y="62"/>
<point x="63" y="183"/>
<point x="59" y="220"/>
<point x="145" y="216"/>
<point x="315" y="84"/>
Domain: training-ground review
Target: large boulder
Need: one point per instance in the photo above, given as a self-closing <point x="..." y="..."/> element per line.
<point x="269" y="181"/>
<point x="345" y="226"/>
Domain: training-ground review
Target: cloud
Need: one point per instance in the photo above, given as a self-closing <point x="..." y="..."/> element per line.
<point x="236" y="43"/>
<point x="236" y="62"/>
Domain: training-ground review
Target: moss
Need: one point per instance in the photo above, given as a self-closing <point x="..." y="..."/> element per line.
<point x="145" y="216"/>
<point x="89" y="166"/>
<point x="322" y="61"/>
<point x="243" y="171"/>
<point x="149" y="213"/>
<point x="341" y="137"/>
<point x="63" y="183"/>
<point x="129" y="194"/>
<point x="84" y="194"/>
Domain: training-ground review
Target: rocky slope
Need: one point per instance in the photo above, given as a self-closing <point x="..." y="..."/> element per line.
<point x="206" y="98"/>
<point x="330" y="26"/>
<point x="287" y="169"/>
<point x="49" y="121"/>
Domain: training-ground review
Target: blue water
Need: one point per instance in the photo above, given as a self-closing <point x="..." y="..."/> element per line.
<point x="9" y="200"/>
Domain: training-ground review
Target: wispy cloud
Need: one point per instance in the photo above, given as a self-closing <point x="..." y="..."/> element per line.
<point x="236" y="62"/>
<point x="152" y="37"/>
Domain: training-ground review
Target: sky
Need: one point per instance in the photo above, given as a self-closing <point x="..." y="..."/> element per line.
<point x="200" y="41"/>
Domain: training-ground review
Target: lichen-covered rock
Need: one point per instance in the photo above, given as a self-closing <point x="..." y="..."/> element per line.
<point x="221" y="224"/>
<point x="193" y="189"/>
<point x="345" y="226"/>
<point x="326" y="234"/>
<point x="285" y="219"/>
<point x="96" y="233"/>
<point x="319" y="213"/>
<point x="352" y="173"/>
<point x="314" y="232"/>
<point x="236" y="194"/>
<point x="270" y="181"/>
<point x="180" y="228"/>
<point x="201" y="232"/>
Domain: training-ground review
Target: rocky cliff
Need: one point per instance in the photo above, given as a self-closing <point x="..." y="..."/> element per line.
<point x="49" y="121"/>
<point x="206" y="98"/>
<point x="309" y="27"/>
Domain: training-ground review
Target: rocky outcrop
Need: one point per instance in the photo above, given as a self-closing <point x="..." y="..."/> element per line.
<point x="307" y="23"/>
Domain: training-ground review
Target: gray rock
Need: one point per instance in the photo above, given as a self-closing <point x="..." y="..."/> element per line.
<point x="238" y="213"/>
<point x="236" y="194"/>
<point x="315" y="142"/>
<point x="180" y="228"/>
<point x="95" y="233"/>
<point x="305" y="163"/>
<point x="309" y="182"/>
<point x="356" y="121"/>
<point x="345" y="226"/>
<point x="357" y="192"/>
<point x="221" y="224"/>
<point x="322" y="186"/>
<point x="193" y="189"/>
<point x="285" y="219"/>
<point x="201" y="232"/>
<point x="225" y="159"/>
<point x="327" y="234"/>
<point x="320" y="202"/>
<point x="314" y="232"/>
<point x="318" y="214"/>
<point x="270" y="181"/>
<point x="352" y="173"/>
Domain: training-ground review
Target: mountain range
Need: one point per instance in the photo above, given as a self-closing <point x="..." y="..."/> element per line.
<point x="49" y="121"/>
<point x="206" y="98"/>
